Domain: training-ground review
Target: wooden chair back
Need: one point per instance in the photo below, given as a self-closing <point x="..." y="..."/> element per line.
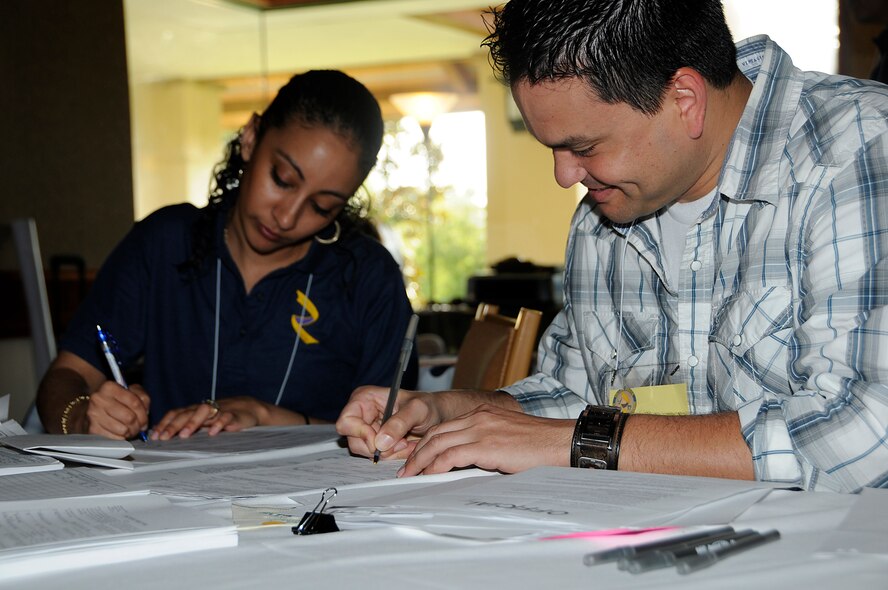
<point x="497" y="349"/>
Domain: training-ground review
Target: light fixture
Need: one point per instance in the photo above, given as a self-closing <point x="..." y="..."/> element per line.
<point x="423" y="106"/>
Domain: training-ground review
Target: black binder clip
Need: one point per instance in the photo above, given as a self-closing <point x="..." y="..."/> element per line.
<point x="316" y="521"/>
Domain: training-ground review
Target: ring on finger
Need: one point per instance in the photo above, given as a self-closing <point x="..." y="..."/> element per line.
<point x="213" y="404"/>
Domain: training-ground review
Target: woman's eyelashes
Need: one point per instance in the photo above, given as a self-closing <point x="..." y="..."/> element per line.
<point x="278" y="180"/>
<point x="320" y="210"/>
<point x="286" y="184"/>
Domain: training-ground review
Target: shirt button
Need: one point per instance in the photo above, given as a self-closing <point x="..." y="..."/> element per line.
<point x="737" y="341"/>
<point x="696" y="265"/>
<point x="692" y="361"/>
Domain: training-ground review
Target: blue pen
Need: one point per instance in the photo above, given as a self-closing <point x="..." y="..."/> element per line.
<point x="115" y="367"/>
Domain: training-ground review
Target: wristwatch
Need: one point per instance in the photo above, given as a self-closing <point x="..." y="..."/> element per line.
<point x="596" y="438"/>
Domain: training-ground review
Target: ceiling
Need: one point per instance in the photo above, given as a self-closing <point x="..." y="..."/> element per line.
<point x="275" y="4"/>
<point x="252" y="46"/>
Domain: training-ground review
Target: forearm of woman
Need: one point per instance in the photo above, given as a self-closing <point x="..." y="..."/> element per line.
<point x="61" y="394"/>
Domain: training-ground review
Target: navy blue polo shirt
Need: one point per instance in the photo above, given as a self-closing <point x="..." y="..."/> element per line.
<point x="347" y="326"/>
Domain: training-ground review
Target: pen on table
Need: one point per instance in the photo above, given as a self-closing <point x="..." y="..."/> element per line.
<point x="115" y="367"/>
<point x="695" y="562"/>
<point x="696" y="537"/>
<point x="669" y="556"/>
<point x="403" y="361"/>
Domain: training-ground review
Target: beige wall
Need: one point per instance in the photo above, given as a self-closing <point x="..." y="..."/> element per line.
<point x="528" y="214"/>
<point x="177" y="140"/>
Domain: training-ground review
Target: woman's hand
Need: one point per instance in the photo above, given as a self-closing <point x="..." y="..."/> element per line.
<point x="116" y="412"/>
<point x="229" y="414"/>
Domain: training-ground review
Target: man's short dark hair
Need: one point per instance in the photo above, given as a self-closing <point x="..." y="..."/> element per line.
<point x="625" y="50"/>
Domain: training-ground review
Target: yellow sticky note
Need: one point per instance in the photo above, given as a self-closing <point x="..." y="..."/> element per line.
<point x="652" y="399"/>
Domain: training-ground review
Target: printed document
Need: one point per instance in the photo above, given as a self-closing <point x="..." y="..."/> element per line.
<point x="72" y="533"/>
<point x="561" y="498"/>
<point x="79" y="448"/>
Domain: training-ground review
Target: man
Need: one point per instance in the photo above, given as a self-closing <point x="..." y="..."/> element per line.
<point x="726" y="274"/>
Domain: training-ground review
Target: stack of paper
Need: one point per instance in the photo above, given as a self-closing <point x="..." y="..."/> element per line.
<point x="261" y="443"/>
<point x="546" y="501"/>
<point x="79" y="448"/>
<point x="14" y="462"/>
<point x="65" y="534"/>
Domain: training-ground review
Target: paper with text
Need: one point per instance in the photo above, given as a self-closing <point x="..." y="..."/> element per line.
<point x="83" y="532"/>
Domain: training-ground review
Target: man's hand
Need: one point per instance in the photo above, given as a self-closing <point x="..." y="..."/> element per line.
<point x="492" y="438"/>
<point x="117" y="412"/>
<point x="458" y="429"/>
<point x="361" y="421"/>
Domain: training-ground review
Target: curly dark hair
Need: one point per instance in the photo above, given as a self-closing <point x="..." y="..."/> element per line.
<point x="625" y="50"/>
<point x="327" y="98"/>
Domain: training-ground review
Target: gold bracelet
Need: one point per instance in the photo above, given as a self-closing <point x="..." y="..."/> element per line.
<point x="68" y="408"/>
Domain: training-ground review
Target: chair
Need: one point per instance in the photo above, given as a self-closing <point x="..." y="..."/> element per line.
<point x="27" y="247"/>
<point x="497" y="349"/>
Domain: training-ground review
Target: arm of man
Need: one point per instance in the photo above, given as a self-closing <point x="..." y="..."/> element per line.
<point x="499" y="439"/>
<point x="111" y="410"/>
<point x="707" y="446"/>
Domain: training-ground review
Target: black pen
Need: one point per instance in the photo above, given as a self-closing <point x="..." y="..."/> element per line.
<point x="669" y="556"/>
<point x="705" y="559"/>
<point x="630" y="551"/>
<point x="406" y="348"/>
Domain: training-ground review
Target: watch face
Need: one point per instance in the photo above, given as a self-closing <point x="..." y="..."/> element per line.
<point x="625" y="400"/>
<point x="592" y="446"/>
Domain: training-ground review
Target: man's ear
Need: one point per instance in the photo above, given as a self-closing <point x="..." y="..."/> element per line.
<point x="247" y="137"/>
<point x="690" y="96"/>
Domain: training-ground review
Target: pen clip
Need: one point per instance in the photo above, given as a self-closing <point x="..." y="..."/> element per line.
<point x="317" y="521"/>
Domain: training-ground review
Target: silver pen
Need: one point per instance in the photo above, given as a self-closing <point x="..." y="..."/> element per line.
<point x="403" y="361"/>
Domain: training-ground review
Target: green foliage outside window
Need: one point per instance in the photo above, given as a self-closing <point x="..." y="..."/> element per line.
<point x="426" y="220"/>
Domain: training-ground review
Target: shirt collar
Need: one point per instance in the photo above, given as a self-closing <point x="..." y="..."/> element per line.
<point x="754" y="155"/>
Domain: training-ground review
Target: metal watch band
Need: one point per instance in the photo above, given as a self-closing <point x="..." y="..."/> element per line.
<point x="596" y="439"/>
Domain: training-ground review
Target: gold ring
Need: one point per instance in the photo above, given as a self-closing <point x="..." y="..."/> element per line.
<point x="213" y="404"/>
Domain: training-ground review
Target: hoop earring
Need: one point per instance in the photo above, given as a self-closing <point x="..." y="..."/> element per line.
<point x="332" y="240"/>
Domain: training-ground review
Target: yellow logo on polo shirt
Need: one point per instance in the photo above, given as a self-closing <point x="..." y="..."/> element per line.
<point x="308" y="314"/>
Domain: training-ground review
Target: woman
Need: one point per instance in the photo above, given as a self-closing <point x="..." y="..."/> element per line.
<point x="265" y="307"/>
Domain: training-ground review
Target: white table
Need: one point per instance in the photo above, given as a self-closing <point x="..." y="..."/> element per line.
<point x="398" y="557"/>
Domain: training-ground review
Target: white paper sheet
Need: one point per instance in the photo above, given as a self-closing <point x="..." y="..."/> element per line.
<point x="281" y="476"/>
<point x="263" y="443"/>
<point x="265" y="438"/>
<point x="4" y="408"/>
<point x="13" y="462"/>
<point x="588" y="499"/>
<point x="66" y="483"/>
<point x="84" y="532"/>
<point x="79" y="448"/>
<point x="865" y="529"/>
<point x="11" y="428"/>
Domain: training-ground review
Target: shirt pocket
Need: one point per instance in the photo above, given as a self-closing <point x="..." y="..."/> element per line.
<point x="639" y="351"/>
<point x="748" y="343"/>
